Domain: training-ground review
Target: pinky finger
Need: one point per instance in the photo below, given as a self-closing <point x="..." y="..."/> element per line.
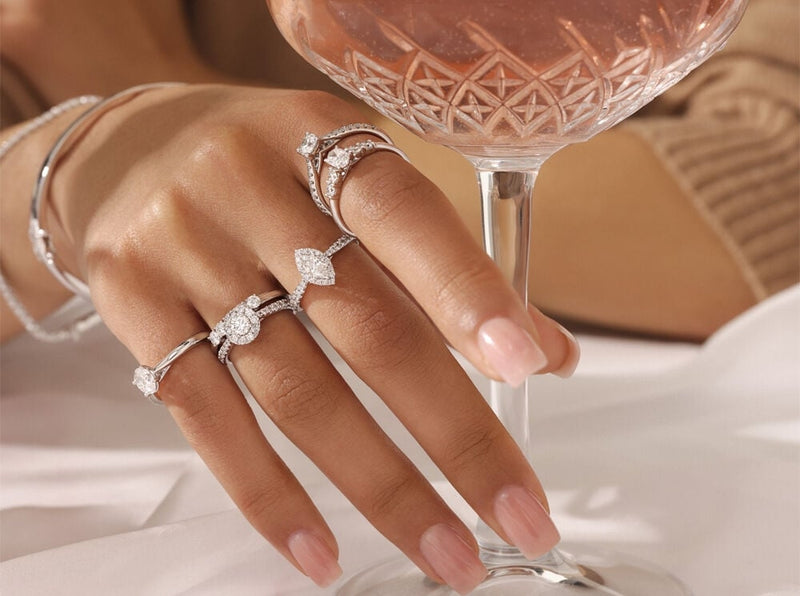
<point x="217" y="421"/>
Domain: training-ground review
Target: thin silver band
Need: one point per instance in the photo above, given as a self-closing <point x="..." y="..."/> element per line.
<point x="147" y="379"/>
<point x="315" y="149"/>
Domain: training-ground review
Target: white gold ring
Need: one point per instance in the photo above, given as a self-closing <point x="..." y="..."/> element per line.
<point x="147" y="379"/>
<point x="315" y="268"/>
<point x="242" y="324"/>
<point x="341" y="161"/>
<point x="314" y="149"/>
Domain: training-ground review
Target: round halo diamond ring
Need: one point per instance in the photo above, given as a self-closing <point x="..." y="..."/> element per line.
<point x="242" y="324"/>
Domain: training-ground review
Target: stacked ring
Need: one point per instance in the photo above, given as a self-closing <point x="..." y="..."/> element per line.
<point x="242" y="324"/>
<point x="325" y="150"/>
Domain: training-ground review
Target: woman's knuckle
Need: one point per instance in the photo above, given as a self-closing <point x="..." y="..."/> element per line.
<point x="259" y="502"/>
<point x="470" y="448"/>
<point x="465" y="279"/>
<point x="392" y="495"/>
<point x="390" y="193"/>
<point x="297" y="398"/>
<point x="224" y="147"/>
<point x="385" y="339"/>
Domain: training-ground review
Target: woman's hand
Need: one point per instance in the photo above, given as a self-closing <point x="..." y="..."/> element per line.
<point x="183" y="202"/>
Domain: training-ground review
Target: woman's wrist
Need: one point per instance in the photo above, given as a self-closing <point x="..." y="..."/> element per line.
<point x="32" y="283"/>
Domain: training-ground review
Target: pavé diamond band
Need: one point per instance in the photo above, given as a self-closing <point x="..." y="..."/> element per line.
<point x="315" y="148"/>
<point x="147" y="379"/>
<point x="318" y="150"/>
<point x="242" y="324"/>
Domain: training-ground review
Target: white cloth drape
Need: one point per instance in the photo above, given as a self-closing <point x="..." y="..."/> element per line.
<point x="686" y="456"/>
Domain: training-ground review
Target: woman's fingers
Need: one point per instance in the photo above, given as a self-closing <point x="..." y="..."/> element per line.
<point x="390" y="344"/>
<point x="393" y="347"/>
<point x="217" y="421"/>
<point x="215" y="418"/>
<point x="411" y="228"/>
<point x="302" y="393"/>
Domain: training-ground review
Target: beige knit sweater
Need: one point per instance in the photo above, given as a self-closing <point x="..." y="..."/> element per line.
<point x="730" y="135"/>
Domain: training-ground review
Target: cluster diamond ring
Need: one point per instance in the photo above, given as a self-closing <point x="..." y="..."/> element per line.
<point x="147" y="379"/>
<point x="315" y="148"/>
<point x="242" y="324"/>
<point x="315" y="268"/>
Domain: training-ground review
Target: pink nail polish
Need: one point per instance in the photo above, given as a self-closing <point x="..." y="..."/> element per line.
<point x="452" y="558"/>
<point x="573" y="356"/>
<point x="510" y="350"/>
<point x="315" y="558"/>
<point x="525" y="521"/>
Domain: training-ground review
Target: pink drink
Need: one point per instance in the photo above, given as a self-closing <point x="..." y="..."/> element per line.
<point x="473" y="73"/>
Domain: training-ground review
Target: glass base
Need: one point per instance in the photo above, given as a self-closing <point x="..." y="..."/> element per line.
<point x="591" y="571"/>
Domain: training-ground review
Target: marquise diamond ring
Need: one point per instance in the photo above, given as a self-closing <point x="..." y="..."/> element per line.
<point x="315" y="268"/>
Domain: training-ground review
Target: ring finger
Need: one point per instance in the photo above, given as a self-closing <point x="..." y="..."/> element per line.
<point x="302" y="393"/>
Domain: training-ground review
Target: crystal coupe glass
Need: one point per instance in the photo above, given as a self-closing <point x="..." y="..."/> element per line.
<point x="507" y="84"/>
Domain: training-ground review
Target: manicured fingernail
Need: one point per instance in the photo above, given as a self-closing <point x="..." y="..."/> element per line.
<point x="315" y="558"/>
<point x="525" y="521"/>
<point x="510" y="350"/>
<point x="452" y="558"/>
<point x="573" y="356"/>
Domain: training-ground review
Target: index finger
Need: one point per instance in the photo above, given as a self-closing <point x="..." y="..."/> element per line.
<point x="413" y="230"/>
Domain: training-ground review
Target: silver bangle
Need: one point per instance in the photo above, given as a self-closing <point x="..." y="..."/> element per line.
<point x="76" y="328"/>
<point x="40" y="239"/>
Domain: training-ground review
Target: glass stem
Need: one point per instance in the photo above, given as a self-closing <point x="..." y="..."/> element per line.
<point x="506" y="208"/>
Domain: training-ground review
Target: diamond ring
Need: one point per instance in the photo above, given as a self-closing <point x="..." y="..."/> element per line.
<point x="315" y="267"/>
<point x="341" y="160"/>
<point x="315" y="148"/>
<point x="242" y="324"/>
<point x="147" y="379"/>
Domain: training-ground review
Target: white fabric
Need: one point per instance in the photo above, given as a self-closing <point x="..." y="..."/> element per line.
<point x="686" y="456"/>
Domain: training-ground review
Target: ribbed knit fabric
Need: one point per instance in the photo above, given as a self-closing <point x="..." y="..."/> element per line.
<point x="730" y="135"/>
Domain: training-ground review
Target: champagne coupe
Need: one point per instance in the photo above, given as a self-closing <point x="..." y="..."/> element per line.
<point x="507" y="84"/>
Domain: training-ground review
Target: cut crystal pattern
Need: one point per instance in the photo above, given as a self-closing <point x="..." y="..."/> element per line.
<point x="502" y="96"/>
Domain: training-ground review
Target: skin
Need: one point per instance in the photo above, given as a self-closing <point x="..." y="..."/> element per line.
<point x="164" y="259"/>
<point x="151" y="238"/>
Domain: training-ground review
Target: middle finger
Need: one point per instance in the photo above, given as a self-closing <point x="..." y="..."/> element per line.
<point x="395" y="349"/>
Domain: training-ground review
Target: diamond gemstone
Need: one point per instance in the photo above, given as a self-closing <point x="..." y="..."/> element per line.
<point x="338" y="158"/>
<point x="145" y="380"/>
<point x="241" y="325"/>
<point x="314" y="266"/>
<point x="309" y="145"/>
